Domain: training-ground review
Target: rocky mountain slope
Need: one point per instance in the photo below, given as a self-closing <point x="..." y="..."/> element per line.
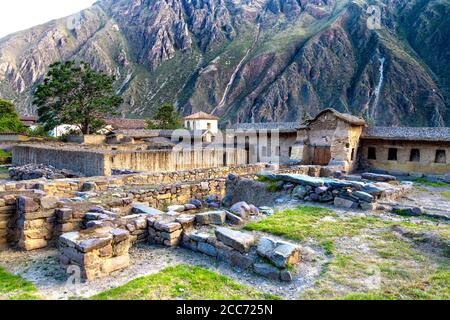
<point x="252" y="60"/>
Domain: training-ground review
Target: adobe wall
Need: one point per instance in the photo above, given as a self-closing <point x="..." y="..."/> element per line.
<point x="426" y="164"/>
<point x="92" y="162"/>
<point x="172" y="160"/>
<point x="87" y="162"/>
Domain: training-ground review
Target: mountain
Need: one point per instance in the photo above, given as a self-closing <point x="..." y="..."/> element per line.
<point x="252" y="60"/>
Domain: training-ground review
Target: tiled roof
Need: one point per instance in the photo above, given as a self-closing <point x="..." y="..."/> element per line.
<point x="281" y="126"/>
<point x="142" y="133"/>
<point x="201" y="116"/>
<point x="407" y="133"/>
<point x="123" y="124"/>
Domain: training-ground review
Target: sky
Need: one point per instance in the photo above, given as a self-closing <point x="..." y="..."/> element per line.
<point x="16" y="15"/>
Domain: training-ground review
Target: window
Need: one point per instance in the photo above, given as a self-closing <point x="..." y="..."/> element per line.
<point x="278" y="152"/>
<point x="415" y="155"/>
<point x="353" y="154"/>
<point x="372" y="153"/>
<point x="209" y="126"/>
<point x="392" y="155"/>
<point x="441" y="156"/>
<point x="290" y="152"/>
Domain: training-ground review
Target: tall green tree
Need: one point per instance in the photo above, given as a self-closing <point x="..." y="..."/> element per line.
<point x="9" y="118"/>
<point x="76" y="94"/>
<point x="166" y="117"/>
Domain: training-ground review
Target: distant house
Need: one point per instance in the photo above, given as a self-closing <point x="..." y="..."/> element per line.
<point x="30" y="122"/>
<point x="202" y="121"/>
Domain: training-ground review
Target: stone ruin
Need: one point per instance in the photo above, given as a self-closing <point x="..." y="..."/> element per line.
<point x="198" y="216"/>
<point x="37" y="171"/>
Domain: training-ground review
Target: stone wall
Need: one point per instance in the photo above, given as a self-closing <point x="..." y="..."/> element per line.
<point x="68" y="187"/>
<point x="170" y="160"/>
<point x="101" y="162"/>
<point x="87" y="162"/>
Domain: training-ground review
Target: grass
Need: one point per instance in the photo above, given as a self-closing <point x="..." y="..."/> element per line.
<point x="306" y="222"/>
<point x="273" y="185"/>
<point x="432" y="183"/>
<point x="360" y="250"/>
<point x="5" y="157"/>
<point x="446" y="194"/>
<point x="184" y="282"/>
<point x="397" y="269"/>
<point x="4" y="173"/>
<point x="14" y="287"/>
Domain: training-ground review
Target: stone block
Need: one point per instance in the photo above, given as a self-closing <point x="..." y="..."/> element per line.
<point x="284" y="255"/>
<point x="115" y="264"/>
<point x="33" y="244"/>
<point x="344" y="203"/>
<point x="187" y="221"/>
<point x="234" y="219"/>
<point x="267" y="271"/>
<point x="27" y="204"/>
<point x="49" y="202"/>
<point x="64" y="214"/>
<point x="207" y="249"/>
<point x="167" y="226"/>
<point x="176" y="208"/>
<point x="213" y="217"/>
<point x="240" y="241"/>
<point x="141" y="208"/>
<point x="364" y="196"/>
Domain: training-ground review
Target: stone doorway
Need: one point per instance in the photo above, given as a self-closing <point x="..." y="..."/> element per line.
<point x="322" y="156"/>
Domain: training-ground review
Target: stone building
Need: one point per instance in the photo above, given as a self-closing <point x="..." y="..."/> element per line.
<point x="331" y="138"/>
<point x="422" y="150"/>
<point x="334" y="138"/>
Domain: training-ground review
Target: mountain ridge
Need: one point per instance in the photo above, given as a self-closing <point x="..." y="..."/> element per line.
<point x="251" y="60"/>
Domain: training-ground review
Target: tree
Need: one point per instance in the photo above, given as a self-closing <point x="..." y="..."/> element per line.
<point x="76" y="95"/>
<point x="166" y="117"/>
<point x="9" y="118"/>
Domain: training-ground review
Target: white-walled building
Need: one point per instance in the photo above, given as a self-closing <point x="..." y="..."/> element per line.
<point x="202" y="121"/>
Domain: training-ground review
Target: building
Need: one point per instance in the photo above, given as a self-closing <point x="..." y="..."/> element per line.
<point x="30" y="122"/>
<point x="277" y="148"/>
<point x="334" y="138"/>
<point x="423" y="150"/>
<point x="202" y="121"/>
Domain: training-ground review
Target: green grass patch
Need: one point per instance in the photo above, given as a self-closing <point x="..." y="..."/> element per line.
<point x="446" y="194"/>
<point x="432" y="183"/>
<point x="5" y="157"/>
<point x="14" y="287"/>
<point x="184" y="282"/>
<point x="4" y="173"/>
<point x="306" y="222"/>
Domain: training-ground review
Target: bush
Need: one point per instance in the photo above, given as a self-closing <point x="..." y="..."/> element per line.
<point x="9" y="119"/>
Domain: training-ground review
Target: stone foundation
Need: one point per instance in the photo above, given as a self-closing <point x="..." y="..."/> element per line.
<point x="98" y="252"/>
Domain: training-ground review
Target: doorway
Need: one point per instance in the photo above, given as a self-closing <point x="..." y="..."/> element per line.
<point x="322" y="156"/>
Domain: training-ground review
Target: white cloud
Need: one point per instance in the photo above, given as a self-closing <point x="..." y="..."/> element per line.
<point x="16" y="15"/>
